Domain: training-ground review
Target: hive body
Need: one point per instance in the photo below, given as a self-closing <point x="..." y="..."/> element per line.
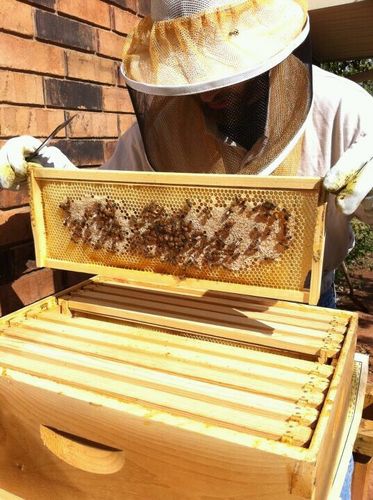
<point x="193" y="411"/>
<point x="169" y="387"/>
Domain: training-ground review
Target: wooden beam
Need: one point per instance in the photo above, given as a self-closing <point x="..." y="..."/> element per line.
<point x="360" y="479"/>
<point x="364" y="76"/>
<point x="322" y="4"/>
<point x="342" y="32"/>
<point x="364" y="440"/>
<point x="177" y="179"/>
<point x="368" y="402"/>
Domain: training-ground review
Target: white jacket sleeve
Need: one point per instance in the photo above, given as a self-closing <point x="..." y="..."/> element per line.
<point x="129" y="153"/>
<point x="342" y="115"/>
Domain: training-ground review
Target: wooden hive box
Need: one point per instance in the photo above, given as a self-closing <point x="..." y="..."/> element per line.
<point x="154" y="382"/>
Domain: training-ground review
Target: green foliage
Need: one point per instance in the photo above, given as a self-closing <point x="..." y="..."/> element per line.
<point x="348" y="68"/>
<point x="360" y="257"/>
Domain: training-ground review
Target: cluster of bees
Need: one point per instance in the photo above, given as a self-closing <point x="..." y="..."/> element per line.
<point x="198" y="234"/>
<point x="94" y="223"/>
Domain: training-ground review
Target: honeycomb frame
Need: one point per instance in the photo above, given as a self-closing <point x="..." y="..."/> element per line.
<point x="284" y="278"/>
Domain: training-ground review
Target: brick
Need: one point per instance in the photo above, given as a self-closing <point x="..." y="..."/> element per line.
<point x="15" y="226"/>
<point x="116" y="99"/>
<point x="94" y="125"/>
<point x="15" y="261"/>
<point x="88" y="67"/>
<point x="49" y="4"/>
<point x="29" y="288"/>
<point x="124" y="22"/>
<point x="21" y="88"/>
<point x="23" y="54"/>
<point x="11" y="199"/>
<point x="93" y="11"/>
<point x="82" y="152"/>
<point x="141" y="7"/>
<point x="22" y="22"/>
<point x="58" y="29"/>
<point x="126" y="4"/>
<point x="125" y="122"/>
<point x="39" y="122"/>
<point x="73" y="95"/>
<point x="109" y="44"/>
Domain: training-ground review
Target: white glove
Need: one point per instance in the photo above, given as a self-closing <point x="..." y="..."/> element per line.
<point x="13" y="165"/>
<point x="351" y="179"/>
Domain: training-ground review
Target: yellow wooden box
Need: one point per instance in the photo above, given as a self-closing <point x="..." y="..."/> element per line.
<point x="144" y="383"/>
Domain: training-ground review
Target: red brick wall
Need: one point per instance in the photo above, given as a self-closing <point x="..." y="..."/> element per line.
<point x="57" y="57"/>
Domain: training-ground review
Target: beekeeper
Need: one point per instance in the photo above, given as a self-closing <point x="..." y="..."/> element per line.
<point x="228" y="87"/>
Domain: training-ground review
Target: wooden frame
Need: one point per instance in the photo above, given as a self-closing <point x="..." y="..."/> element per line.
<point x="242" y="319"/>
<point x="353" y="415"/>
<point x="311" y="295"/>
<point x="363" y="450"/>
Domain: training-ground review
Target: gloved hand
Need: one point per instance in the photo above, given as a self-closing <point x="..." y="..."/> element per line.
<point x="13" y="165"/>
<point x="351" y="179"/>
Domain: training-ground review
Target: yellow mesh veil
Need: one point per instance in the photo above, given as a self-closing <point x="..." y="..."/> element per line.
<point x="179" y="136"/>
<point x="212" y="45"/>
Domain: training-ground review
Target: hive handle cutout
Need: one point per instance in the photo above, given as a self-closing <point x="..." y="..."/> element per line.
<point x="81" y="453"/>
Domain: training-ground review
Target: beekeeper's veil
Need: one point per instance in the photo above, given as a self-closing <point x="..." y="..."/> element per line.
<point x="221" y="86"/>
